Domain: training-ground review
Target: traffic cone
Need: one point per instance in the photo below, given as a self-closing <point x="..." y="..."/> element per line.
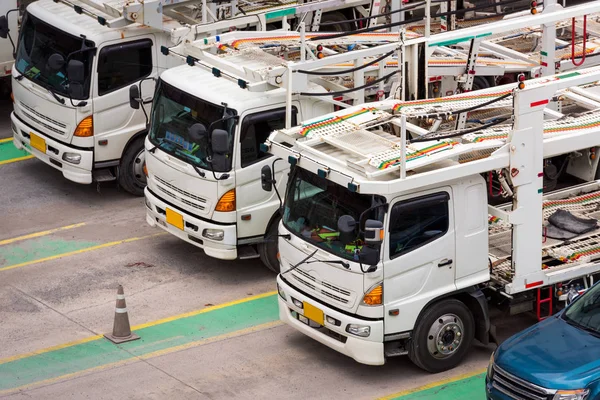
<point x="121" y="329"/>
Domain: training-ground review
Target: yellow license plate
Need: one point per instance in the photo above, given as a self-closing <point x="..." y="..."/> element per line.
<point x="37" y="142"/>
<point x="174" y="218"/>
<point x="313" y="313"/>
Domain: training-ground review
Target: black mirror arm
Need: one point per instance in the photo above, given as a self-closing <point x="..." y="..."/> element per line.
<point x="274" y="182"/>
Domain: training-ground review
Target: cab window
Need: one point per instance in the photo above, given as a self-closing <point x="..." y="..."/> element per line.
<point x="256" y="129"/>
<point x="418" y="221"/>
<point x="121" y="65"/>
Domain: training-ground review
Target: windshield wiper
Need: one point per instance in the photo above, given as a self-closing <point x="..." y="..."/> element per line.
<point x="60" y="100"/>
<point x="305" y="261"/>
<point x="340" y="262"/>
<point x="201" y="173"/>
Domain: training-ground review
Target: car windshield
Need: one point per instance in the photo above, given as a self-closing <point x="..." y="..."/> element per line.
<point x="585" y="312"/>
<point x="174" y="112"/>
<point x="313" y="206"/>
<point x="37" y="42"/>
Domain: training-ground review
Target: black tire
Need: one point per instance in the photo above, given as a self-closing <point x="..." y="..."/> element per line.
<point x="339" y="26"/>
<point x="268" y="249"/>
<point x="447" y="320"/>
<point x="480" y="83"/>
<point x="131" y="175"/>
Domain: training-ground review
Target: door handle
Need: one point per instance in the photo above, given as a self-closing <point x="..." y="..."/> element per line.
<point x="445" y="262"/>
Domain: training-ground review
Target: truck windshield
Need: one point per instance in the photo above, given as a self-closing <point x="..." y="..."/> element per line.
<point x="37" y="42"/>
<point x="173" y="112"/>
<point x="585" y="312"/>
<point x="313" y="206"/>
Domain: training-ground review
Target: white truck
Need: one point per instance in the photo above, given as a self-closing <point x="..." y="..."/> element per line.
<point x="208" y="121"/>
<point x="76" y="61"/>
<point x="388" y="245"/>
<point x="224" y="212"/>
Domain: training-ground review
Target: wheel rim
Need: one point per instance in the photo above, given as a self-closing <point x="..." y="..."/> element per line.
<point x="137" y="168"/>
<point x="445" y="336"/>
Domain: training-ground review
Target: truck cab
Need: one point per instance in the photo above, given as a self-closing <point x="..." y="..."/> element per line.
<point x="204" y="162"/>
<point x="71" y="83"/>
<point x="359" y="293"/>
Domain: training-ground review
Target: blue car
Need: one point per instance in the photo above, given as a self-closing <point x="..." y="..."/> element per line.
<point x="556" y="359"/>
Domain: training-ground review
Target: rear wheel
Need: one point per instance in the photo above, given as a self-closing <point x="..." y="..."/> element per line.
<point x="442" y="337"/>
<point x="340" y="25"/>
<point x="480" y="83"/>
<point x="131" y="169"/>
<point x="268" y="249"/>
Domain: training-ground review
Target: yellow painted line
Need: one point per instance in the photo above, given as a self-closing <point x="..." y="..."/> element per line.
<point x="8" y="139"/>
<point x="15" y="160"/>
<point x="72" y="253"/>
<point x="137" y="327"/>
<point x="38" y="234"/>
<point x="434" y="384"/>
<point x="158" y="353"/>
<point x="205" y="310"/>
<point x="49" y="349"/>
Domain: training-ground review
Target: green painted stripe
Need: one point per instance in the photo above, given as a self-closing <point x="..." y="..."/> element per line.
<point x="35" y="249"/>
<point x="450" y="42"/>
<point x="472" y="388"/>
<point x="569" y="75"/>
<point x="543" y="53"/>
<point x="8" y="151"/>
<point x="459" y="40"/>
<point x="280" y="13"/>
<point x="101" y="352"/>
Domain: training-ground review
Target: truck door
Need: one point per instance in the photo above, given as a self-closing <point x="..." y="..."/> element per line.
<point x="255" y="207"/>
<point x="419" y="256"/>
<point x="120" y="65"/>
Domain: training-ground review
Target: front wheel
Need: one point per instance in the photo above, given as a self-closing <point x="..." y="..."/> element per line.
<point x="268" y="249"/>
<point x="442" y="337"/>
<point x="131" y="169"/>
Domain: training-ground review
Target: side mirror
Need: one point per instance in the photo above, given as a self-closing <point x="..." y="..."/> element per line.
<point x="75" y="90"/>
<point x="134" y="97"/>
<point x="55" y="62"/>
<point x="219" y="141"/>
<point x="572" y="296"/>
<point x="197" y="133"/>
<point x="4" y="27"/>
<point x="369" y="256"/>
<point x="76" y="71"/>
<point x="373" y="232"/>
<point x="266" y="178"/>
<point x="347" y="228"/>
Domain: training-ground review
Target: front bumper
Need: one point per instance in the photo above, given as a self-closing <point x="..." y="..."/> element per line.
<point x="367" y="350"/>
<point x="225" y="249"/>
<point x="80" y="173"/>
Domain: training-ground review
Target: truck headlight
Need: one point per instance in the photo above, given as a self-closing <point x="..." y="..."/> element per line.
<point x="73" y="158"/>
<point x="213" y="234"/>
<point x="281" y="292"/>
<point x="490" y="369"/>
<point x="576" y="394"/>
<point x="359" y="330"/>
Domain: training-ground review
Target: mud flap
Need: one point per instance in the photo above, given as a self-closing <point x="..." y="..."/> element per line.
<point x="493" y="338"/>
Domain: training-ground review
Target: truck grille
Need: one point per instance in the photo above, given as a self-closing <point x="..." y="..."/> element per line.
<point x="40" y="119"/>
<point x="199" y="202"/>
<point x="517" y="388"/>
<point x="336" y="293"/>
